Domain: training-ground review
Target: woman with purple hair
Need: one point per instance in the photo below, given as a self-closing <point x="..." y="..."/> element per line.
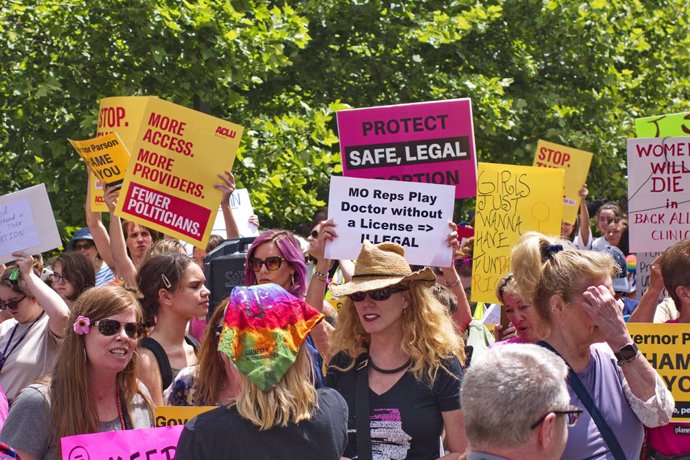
<point x="276" y="257"/>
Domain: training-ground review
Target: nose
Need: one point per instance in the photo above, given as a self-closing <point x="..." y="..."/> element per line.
<point x="205" y="292"/>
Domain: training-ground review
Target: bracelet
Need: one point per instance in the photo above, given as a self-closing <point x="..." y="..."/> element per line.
<point x="322" y="276"/>
<point x="622" y="362"/>
<point x="453" y="283"/>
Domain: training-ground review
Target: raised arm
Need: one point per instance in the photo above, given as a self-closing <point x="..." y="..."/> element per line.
<point x="124" y="267"/>
<point x="227" y="186"/>
<point x="585" y="230"/>
<point x="96" y="227"/>
<point x="644" y="313"/>
<point x="463" y="314"/>
<point x="51" y="302"/>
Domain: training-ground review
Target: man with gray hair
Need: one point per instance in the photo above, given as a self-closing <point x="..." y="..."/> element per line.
<point x="516" y="404"/>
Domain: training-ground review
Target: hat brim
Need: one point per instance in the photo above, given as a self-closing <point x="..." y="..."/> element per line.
<point x="369" y="283"/>
<point x="621" y="285"/>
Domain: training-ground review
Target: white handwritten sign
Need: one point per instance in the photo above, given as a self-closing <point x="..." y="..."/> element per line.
<point x="241" y="210"/>
<point x="414" y="215"/>
<point x="22" y="215"/>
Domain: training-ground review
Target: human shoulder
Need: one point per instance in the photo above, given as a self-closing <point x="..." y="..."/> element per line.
<point x="32" y="395"/>
<point x="220" y="418"/>
<point x="7" y="326"/>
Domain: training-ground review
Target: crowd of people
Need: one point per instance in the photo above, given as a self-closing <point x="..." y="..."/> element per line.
<point x="121" y="323"/>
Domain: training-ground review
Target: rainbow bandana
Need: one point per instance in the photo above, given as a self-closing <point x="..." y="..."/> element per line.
<point x="263" y="330"/>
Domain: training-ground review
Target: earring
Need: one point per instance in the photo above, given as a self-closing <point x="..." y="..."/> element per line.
<point x="292" y="278"/>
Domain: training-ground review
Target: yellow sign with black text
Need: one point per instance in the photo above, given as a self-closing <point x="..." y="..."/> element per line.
<point x="178" y="415"/>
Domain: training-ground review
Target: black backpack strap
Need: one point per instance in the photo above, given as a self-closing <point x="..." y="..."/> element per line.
<point x="191" y="340"/>
<point x="362" y="409"/>
<point x="161" y="358"/>
<point x="586" y="400"/>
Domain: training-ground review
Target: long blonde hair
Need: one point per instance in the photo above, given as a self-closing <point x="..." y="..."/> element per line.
<point x="292" y="400"/>
<point x="72" y="409"/>
<point x="211" y="378"/>
<point x="428" y="334"/>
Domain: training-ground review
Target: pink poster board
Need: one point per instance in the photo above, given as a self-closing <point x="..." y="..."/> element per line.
<point x="145" y="443"/>
<point x="429" y="142"/>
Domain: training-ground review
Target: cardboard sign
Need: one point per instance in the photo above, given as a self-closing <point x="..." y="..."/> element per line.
<point x="176" y="158"/>
<point x="667" y="348"/>
<point x="121" y="115"/>
<point x="241" y="210"/>
<point x="429" y="142"/>
<point x="575" y="163"/>
<point x="106" y="157"/>
<point x="658" y="192"/>
<point x="413" y="215"/>
<point x="675" y="124"/>
<point x="511" y="200"/>
<point x="145" y="443"/>
<point x="179" y="415"/>
<point x="27" y="223"/>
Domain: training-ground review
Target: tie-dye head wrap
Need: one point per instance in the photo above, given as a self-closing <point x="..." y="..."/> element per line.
<point x="263" y="330"/>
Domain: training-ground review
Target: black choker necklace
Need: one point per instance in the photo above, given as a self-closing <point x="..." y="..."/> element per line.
<point x="390" y="371"/>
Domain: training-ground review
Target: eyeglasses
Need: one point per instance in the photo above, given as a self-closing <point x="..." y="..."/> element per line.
<point x="83" y="245"/>
<point x="572" y="412"/>
<point x="109" y="327"/>
<point x="11" y="304"/>
<point x="272" y="263"/>
<point x="58" y="278"/>
<point x="376" y="294"/>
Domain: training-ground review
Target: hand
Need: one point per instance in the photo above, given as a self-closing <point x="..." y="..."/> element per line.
<point x="656" y="279"/>
<point x="600" y="304"/>
<point x="254" y="220"/>
<point x="110" y="196"/>
<point x="226" y="186"/>
<point x="584" y="193"/>
<point x="452" y="238"/>
<point x="326" y="232"/>
<point x="500" y="334"/>
<point x="24" y="262"/>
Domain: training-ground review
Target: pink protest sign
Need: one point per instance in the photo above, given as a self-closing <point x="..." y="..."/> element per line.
<point x="148" y="443"/>
<point x="422" y="142"/>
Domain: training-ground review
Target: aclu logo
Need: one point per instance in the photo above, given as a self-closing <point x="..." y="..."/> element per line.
<point x="225" y="132"/>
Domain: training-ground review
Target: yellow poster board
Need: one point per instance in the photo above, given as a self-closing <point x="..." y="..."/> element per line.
<point x="175" y="161"/>
<point x="105" y="156"/>
<point x="575" y="163"/>
<point x="179" y="415"/>
<point x="122" y="115"/>
<point x="671" y="125"/>
<point x="511" y="200"/>
<point x="667" y="348"/>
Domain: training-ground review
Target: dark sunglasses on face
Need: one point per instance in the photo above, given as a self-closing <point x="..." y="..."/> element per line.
<point x="11" y="304"/>
<point x="376" y="294"/>
<point x="109" y="327"/>
<point x="83" y="245"/>
<point x="272" y="263"/>
<point x="572" y="412"/>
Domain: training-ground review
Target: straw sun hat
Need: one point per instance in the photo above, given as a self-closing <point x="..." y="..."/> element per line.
<point x="379" y="266"/>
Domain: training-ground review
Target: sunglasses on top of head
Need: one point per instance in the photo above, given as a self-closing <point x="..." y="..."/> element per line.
<point x="11" y="304"/>
<point x="109" y="327"/>
<point x="272" y="263"/>
<point x="376" y="294"/>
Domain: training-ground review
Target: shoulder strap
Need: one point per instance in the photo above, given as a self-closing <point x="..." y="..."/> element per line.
<point x="161" y="359"/>
<point x="586" y="399"/>
<point x="191" y="340"/>
<point x="362" y="409"/>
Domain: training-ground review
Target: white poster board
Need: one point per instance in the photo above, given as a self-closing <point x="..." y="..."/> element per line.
<point x="412" y="214"/>
<point x="643" y="272"/>
<point x="241" y="210"/>
<point x="27" y="223"/>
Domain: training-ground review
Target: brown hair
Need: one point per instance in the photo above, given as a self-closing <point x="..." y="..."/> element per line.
<point x="211" y="378"/>
<point x="163" y="271"/>
<point x="72" y="410"/>
<point x="675" y="268"/>
<point x="78" y="270"/>
<point x="19" y="285"/>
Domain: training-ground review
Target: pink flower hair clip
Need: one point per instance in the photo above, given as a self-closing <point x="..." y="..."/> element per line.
<point x="82" y="325"/>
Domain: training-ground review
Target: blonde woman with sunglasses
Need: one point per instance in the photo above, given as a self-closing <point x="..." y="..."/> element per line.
<point x="29" y="340"/>
<point x="93" y="387"/>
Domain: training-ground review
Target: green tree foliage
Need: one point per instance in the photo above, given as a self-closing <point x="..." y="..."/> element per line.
<point x="575" y="73"/>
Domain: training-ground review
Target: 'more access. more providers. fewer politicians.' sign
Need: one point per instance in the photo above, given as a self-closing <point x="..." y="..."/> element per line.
<point x="174" y="164"/>
<point x="658" y="192"/>
<point x="430" y="142"/>
<point x="414" y="215"/>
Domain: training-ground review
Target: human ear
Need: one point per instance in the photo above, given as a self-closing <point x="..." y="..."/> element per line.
<point x="164" y="296"/>
<point x="556" y="302"/>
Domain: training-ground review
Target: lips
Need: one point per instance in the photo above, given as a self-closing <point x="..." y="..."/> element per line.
<point x="369" y="317"/>
<point x="120" y="351"/>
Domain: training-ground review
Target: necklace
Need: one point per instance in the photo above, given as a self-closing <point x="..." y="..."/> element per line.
<point x="389" y="371"/>
<point x="119" y="410"/>
<point x="5" y="354"/>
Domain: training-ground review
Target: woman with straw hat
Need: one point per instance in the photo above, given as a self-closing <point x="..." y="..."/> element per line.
<point x="396" y="360"/>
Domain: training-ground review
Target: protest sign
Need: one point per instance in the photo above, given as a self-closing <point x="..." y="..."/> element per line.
<point x="575" y="163"/>
<point x="169" y="183"/>
<point x="414" y="215"/>
<point x="423" y="142"/>
<point x="241" y="210"/>
<point x="511" y="200"/>
<point x="674" y="124"/>
<point x="121" y="115"/>
<point x="643" y="271"/>
<point x="667" y="348"/>
<point x="105" y="156"/>
<point x="27" y="223"/>
<point x="145" y="443"/>
<point x="658" y="192"/>
<point x="179" y="415"/>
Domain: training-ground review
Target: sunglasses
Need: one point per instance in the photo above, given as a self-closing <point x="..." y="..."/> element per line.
<point x="12" y="304"/>
<point x="272" y="263"/>
<point x="83" y="245"/>
<point x="376" y="294"/>
<point x="462" y="262"/>
<point x="109" y="327"/>
<point x="573" y="414"/>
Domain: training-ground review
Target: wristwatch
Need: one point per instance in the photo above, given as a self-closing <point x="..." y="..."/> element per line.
<point x="627" y="353"/>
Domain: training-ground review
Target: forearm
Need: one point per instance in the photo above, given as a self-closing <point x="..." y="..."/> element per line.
<point x="644" y="313"/>
<point x="585" y="232"/>
<point x="124" y="266"/>
<point x="463" y="314"/>
<point x="56" y="308"/>
<point x="231" y="229"/>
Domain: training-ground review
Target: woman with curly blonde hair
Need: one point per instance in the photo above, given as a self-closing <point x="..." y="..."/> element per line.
<point x="397" y="359"/>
